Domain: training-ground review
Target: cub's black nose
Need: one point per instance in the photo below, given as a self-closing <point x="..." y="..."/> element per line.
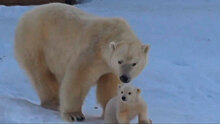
<point x="124" y="79"/>
<point x="123" y="98"/>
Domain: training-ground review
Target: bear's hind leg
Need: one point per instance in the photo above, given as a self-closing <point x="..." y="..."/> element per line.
<point x="107" y="87"/>
<point x="50" y="94"/>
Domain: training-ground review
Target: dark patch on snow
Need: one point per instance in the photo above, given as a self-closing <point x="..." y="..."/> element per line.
<point x="181" y="63"/>
<point x="1" y="58"/>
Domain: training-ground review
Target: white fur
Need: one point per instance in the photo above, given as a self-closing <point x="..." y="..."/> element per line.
<point x="65" y="51"/>
<point x="119" y="111"/>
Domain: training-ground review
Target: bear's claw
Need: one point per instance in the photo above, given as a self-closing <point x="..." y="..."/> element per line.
<point x="73" y="117"/>
<point x="78" y="118"/>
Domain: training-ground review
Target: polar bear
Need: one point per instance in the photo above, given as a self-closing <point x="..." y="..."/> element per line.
<point x="65" y="51"/>
<point x="125" y="106"/>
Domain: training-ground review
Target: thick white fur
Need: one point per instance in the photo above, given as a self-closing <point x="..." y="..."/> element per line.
<point x="65" y="51"/>
<point x="119" y="111"/>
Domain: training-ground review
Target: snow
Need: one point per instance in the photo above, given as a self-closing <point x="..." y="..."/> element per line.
<point x="181" y="83"/>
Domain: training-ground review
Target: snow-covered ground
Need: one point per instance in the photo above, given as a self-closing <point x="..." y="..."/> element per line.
<point x="180" y="84"/>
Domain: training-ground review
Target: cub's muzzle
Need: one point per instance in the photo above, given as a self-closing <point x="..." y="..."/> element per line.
<point x="123" y="98"/>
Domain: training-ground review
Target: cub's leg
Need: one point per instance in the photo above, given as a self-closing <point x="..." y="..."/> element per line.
<point x="44" y="83"/>
<point x="107" y="87"/>
<point x="122" y="118"/>
<point x="142" y="118"/>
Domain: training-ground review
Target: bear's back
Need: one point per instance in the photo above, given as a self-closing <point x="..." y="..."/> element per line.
<point x="58" y="11"/>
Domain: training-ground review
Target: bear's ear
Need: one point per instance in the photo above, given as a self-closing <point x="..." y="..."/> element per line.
<point x="112" y="45"/>
<point x="145" y="48"/>
<point x="138" y="90"/>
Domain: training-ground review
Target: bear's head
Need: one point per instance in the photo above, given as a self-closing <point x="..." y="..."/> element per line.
<point x="128" y="94"/>
<point x="127" y="60"/>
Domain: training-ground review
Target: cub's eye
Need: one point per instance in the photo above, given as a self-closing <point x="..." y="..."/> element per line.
<point x="134" y="64"/>
<point x="129" y="93"/>
<point x="121" y="92"/>
<point x="120" y="62"/>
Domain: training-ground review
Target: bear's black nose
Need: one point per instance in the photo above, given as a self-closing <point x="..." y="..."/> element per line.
<point x="124" y="79"/>
<point x="123" y="98"/>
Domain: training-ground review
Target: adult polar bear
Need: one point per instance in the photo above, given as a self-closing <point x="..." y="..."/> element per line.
<point x="65" y="51"/>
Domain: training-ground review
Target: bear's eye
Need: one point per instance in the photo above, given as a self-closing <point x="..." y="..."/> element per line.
<point x="129" y="93"/>
<point x="121" y="92"/>
<point x="120" y="62"/>
<point x="134" y="64"/>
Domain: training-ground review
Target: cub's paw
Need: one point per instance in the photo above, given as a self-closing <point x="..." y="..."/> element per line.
<point x="73" y="116"/>
<point x="145" y="122"/>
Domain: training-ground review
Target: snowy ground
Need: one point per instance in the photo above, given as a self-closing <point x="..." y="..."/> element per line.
<point x="180" y="84"/>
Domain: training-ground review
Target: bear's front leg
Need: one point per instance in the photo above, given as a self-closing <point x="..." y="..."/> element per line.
<point x="75" y="86"/>
<point x="73" y="91"/>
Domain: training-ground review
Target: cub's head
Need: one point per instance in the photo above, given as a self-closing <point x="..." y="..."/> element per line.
<point x="128" y="93"/>
<point x="128" y="59"/>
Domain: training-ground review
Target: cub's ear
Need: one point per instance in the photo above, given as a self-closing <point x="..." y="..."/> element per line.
<point x="138" y="90"/>
<point x="145" y="48"/>
<point x="112" y="45"/>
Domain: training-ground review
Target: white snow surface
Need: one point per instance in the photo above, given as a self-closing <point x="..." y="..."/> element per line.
<point x="181" y="83"/>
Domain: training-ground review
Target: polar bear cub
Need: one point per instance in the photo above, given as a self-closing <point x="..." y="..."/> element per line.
<point x="126" y="105"/>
